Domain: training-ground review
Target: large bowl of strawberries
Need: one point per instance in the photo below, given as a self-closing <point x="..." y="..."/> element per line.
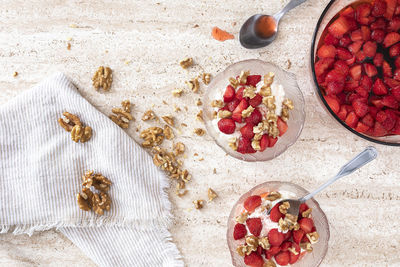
<point x="355" y="61"/>
<point x="256" y="238"/>
<point x="254" y="110"/>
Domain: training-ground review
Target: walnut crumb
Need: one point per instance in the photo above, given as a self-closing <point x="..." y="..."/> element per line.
<point x="15" y="74"/>
<point x="199" y="131"/>
<point x="272" y="196"/>
<point x="69" y="46"/>
<point x="224" y="114"/>
<point x="148" y="115"/>
<point x="242" y="217"/>
<point x="186" y="63"/>
<point x="199" y="116"/>
<point x="269" y="78"/>
<point x="206" y="77"/>
<point x="168" y="133"/>
<point x="313" y="237"/>
<point x="179" y="149"/>
<point x="234" y="82"/>
<point x="198" y="102"/>
<point x="264" y="243"/>
<point x="306" y="246"/>
<point x="243" y="77"/>
<point x="250" y="92"/>
<point x="211" y="194"/>
<point x="307" y="213"/>
<point x="247" y="112"/>
<point x="283" y="208"/>
<point x="217" y="103"/>
<point x="177" y="92"/>
<point x="214" y="171"/>
<point x="198" y="204"/>
<point x="102" y="78"/>
<point x="269" y="263"/>
<point x="289" y="64"/>
<point x="193" y="85"/>
<point x="169" y="120"/>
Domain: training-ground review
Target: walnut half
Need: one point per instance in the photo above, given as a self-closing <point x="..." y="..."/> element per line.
<point x="102" y="78"/>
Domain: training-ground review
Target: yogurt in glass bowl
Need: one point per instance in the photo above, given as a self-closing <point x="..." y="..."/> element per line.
<point x="254" y="110"/>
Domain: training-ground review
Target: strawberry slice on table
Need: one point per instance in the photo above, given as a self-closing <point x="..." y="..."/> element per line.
<point x="297" y="236"/>
<point x="275" y="237"/>
<point x="275" y="214"/>
<point x="247" y="131"/>
<point x="282" y="126"/>
<point x="326" y="51"/>
<point x="255" y="101"/>
<point x="282" y="258"/>
<point x="252" y="80"/>
<point x="306" y="224"/>
<point x="239" y="231"/>
<point x="237" y="113"/>
<point x="379" y="88"/>
<point x="339" y="27"/>
<point x="255" y="117"/>
<point x="253" y="259"/>
<point x="391" y="38"/>
<point x="264" y="142"/>
<point x="252" y="202"/>
<point x="227" y="126"/>
<point x="254" y="225"/>
<point x="229" y="94"/>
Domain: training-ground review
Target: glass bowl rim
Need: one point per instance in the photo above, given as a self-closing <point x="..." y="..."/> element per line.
<point x="325" y="252"/>
<point x="303" y="111"/>
<point x="313" y="44"/>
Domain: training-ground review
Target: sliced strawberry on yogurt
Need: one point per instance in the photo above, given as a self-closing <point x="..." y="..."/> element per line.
<point x="252" y="202"/>
<point x="237" y="113"/>
<point x="306" y="224"/>
<point x="247" y="131"/>
<point x="252" y="80"/>
<point x="229" y="94"/>
<point x="282" y="126"/>
<point x="239" y="231"/>
<point x="275" y="237"/>
<point x="298" y="236"/>
<point x="275" y="214"/>
<point x="282" y="258"/>
<point x="264" y="142"/>
<point x="254" y="225"/>
<point x="227" y="126"/>
<point x="254" y="260"/>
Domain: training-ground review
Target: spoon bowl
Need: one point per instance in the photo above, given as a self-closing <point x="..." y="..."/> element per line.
<point x="250" y="35"/>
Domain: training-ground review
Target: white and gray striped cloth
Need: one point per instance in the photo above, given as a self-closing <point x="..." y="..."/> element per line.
<point x="40" y="174"/>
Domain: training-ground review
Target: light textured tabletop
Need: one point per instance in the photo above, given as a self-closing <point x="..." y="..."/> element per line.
<point x="152" y="36"/>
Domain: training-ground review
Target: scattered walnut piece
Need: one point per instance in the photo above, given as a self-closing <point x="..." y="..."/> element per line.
<point x="186" y="63"/>
<point x="126" y="105"/>
<point x="148" y="115"/>
<point x="264" y="243"/>
<point x="87" y="134"/>
<point x="102" y="78"/>
<point x="255" y="144"/>
<point x="211" y="194"/>
<point x="122" y="115"/>
<point x="241" y="250"/>
<point x="198" y="102"/>
<point x="252" y="243"/>
<point x="243" y="77"/>
<point x="69" y="46"/>
<point x="194" y="85"/>
<point x="15" y="74"/>
<point x="269" y="79"/>
<point x="269" y="263"/>
<point x="199" y="116"/>
<point x="307" y="213"/>
<point x="293" y="250"/>
<point x="152" y="136"/>
<point x="168" y="133"/>
<point x="306" y="246"/>
<point x="284" y="207"/>
<point x="217" y="104"/>
<point x="232" y="142"/>
<point x="206" y="77"/>
<point x="288" y="103"/>
<point x="272" y="196"/>
<point x="199" y="131"/>
<point x="265" y="91"/>
<point x="241" y="218"/>
<point x="179" y="148"/>
<point x="250" y="92"/>
<point x="224" y="114"/>
<point x="169" y="120"/>
<point x="313" y="237"/>
<point x="177" y="92"/>
<point x="198" y="204"/>
<point x="71" y="123"/>
<point x="234" y="82"/>
<point x="269" y="102"/>
<point x="247" y="112"/>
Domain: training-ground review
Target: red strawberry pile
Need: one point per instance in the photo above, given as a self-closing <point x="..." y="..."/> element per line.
<point x="281" y="244"/>
<point x="236" y="103"/>
<point x="358" y="67"/>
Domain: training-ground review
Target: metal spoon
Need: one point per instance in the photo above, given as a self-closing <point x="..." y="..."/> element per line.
<point x="360" y="160"/>
<point x="249" y="38"/>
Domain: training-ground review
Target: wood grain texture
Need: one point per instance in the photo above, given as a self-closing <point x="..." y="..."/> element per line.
<point x="154" y="36"/>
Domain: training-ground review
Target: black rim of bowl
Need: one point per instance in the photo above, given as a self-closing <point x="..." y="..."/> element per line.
<point x="321" y="96"/>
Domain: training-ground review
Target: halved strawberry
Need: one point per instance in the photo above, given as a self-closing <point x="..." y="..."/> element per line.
<point x="287" y="235"/>
<point x="370" y="69"/>
<point x="347" y="12"/>
<point x="339" y="27"/>
<point x="369" y="49"/>
<point x="282" y="258"/>
<point x="342" y="114"/>
<point x="229" y="94"/>
<point x="239" y="93"/>
<point x="343" y="53"/>
<point x="390" y="102"/>
<point x="368" y="120"/>
<point x="233" y="104"/>
<point x="264" y="142"/>
<point x="396" y="75"/>
<point x="252" y="202"/>
<point x="253" y="260"/>
<point x="323" y="65"/>
<point x="391" y="82"/>
<point x="275" y="237"/>
<point x="294" y="257"/>
<point x="239" y="231"/>
<point x="396" y="129"/>
<point x="379" y="24"/>
<point x="297" y="236"/>
<point x="237" y="113"/>
<point x="362" y="13"/>
<point x="391" y="38"/>
<point x="361" y="127"/>
<point x="285" y="245"/>
<point x="244" y="145"/>
<point x="355" y="47"/>
<point x="377" y="102"/>
<point x="351" y="84"/>
<point x="394" y="51"/>
<point x="341" y="66"/>
<point x="227" y="126"/>
<point x="394" y="24"/>
<point x="386" y="69"/>
<point x="252" y="80"/>
<point x="390" y="120"/>
<point x="356" y="35"/>
<point x="306" y="224"/>
<point x="326" y="51"/>
<point x="275" y="214"/>
<point x="379" y="130"/>
<point x="255" y="117"/>
<point x="247" y="131"/>
<point x="390" y="9"/>
<point x="379" y="87"/>
<point x="396" y="92"/>
<point x="378" y="35"/>
<point x="360" y="56"/>
<point x="272" y="251"/>
<point x="366" y="82"/>
<point x="379" y="8"/>
<point x="351" y="119"/>
<point x="333" y="103"/>
<point x="366" y="33"/>
<point x="255" y="101"/>
<point x="345" y="41"/>
<point x="331" y="40"/>
<point x="334" y="88"/>
<point x="272" y="141"/>
<point x="254" y="225"/>
<point x="360" y="108"/>
<point x="355" y="72"/>
<point x="373" y="111"/>
<point x="378" y="59"/>
<point x="397" y="62"/>
<point x="282" y="126"/>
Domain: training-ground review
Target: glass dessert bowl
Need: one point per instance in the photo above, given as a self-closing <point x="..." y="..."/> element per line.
<point x="255" y="238"/>
<point x="254" y="110"/>
<point x="355" y="62"/>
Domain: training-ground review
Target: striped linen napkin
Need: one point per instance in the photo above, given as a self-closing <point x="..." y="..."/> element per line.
<point x="40" y="175"/>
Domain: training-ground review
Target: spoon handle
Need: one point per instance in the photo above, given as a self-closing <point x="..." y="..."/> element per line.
<point x="357" y="162"/>
<point x="292" y="4"/>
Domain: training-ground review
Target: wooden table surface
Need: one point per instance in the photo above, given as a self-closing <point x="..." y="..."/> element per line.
<point x="143" y="41"/>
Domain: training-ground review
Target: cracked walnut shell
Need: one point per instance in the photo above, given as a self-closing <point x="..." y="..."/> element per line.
<point x="102" y="78"/>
